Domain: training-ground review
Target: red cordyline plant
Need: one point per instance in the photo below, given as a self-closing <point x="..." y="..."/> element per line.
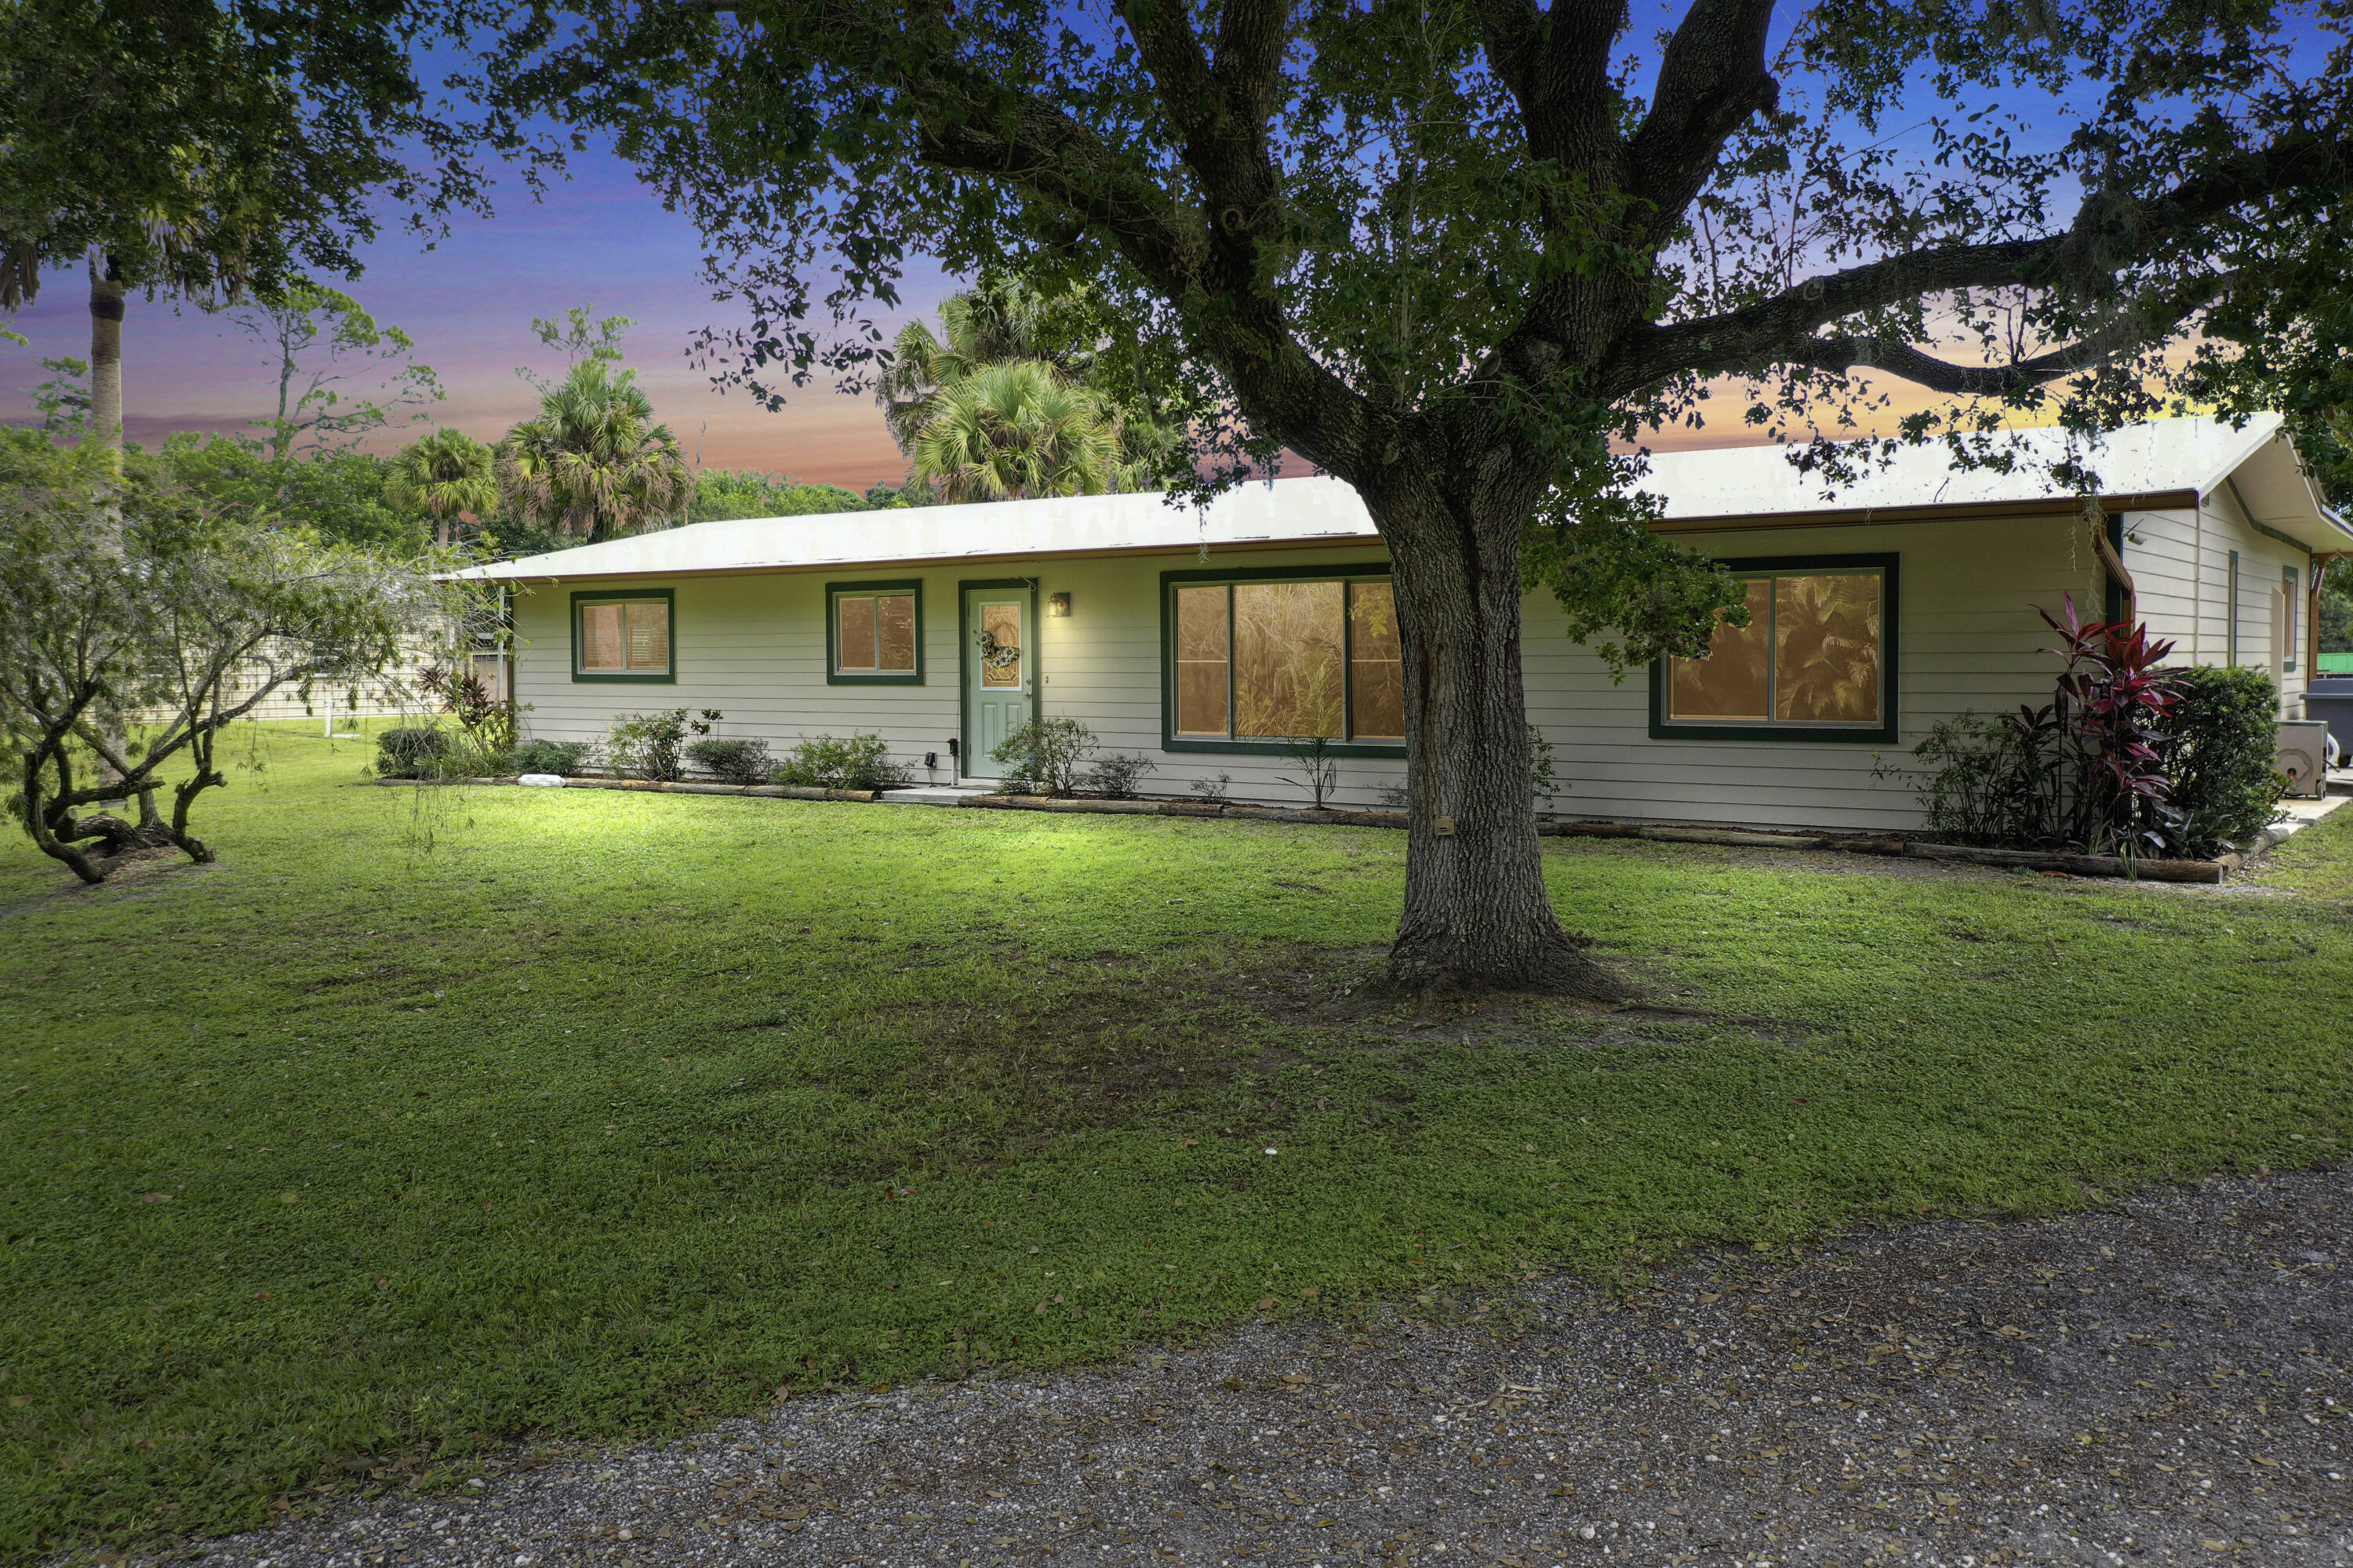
<point x="2106" y="788"/>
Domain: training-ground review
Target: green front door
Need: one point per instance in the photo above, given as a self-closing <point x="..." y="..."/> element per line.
<point x="997" y="675"/>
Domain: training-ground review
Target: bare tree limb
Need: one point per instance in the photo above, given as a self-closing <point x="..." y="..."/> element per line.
<point x="1712" y="81"/>
<point x="1569" y="108"/>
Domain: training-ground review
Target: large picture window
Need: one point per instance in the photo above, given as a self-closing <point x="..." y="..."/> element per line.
<point x="874" y="633"/>
<point x="1260" y="663"/>
<point x="622" y="636"/>
<point x="1816" y="661"/>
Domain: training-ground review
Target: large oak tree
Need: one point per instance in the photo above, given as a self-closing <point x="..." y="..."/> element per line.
<point x="1451" y="250"/>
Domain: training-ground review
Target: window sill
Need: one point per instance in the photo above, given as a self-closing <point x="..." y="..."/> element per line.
<point x="1281" y="747"/>
<point x="1882" y="734"/>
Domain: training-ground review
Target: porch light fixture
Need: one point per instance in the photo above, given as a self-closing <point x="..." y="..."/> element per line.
<point x="1058" y="604"/>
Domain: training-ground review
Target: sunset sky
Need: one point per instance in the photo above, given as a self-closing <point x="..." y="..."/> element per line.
<point x="600" y="239"/>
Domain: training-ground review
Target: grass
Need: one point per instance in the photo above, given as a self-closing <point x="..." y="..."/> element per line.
<point x="430" y="1119"/>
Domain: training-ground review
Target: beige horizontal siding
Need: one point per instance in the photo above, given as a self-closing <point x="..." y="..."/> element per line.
<point x="753" y="647"/>
<point x="2180" y="563"/>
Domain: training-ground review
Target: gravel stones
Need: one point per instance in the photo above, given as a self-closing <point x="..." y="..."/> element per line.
<point x="2163" y="1382"/>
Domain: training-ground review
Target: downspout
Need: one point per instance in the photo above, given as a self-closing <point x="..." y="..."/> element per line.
<point x="2111" y="557"/>
<point x="2320" y="564"/>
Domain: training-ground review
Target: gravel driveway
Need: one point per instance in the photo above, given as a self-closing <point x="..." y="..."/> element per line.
<point x="2164" y="1382"/>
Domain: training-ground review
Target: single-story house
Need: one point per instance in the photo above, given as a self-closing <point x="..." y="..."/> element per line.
<point x="1210" y="639"/>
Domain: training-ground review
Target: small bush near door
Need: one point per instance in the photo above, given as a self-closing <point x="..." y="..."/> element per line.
<point x="733" y="762"/>
<point x="1116" y="776"/>
<point x="1045" y="756"/>
<point x="860" y="762"/>
<point x="1049" y="757"/>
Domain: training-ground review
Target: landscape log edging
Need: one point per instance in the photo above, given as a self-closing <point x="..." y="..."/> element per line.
<point x="2206" y="871"/>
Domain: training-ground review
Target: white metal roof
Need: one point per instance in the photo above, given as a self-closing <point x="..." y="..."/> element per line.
<point x="1300" y="511"/>
<point x="1727" y="483"/>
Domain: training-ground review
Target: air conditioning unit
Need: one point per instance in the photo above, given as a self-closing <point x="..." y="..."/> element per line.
<point x="2303" y="756"/>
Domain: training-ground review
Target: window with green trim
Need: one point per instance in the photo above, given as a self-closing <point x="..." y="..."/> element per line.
<point x="617" y="637"/>
<point x="1291" y="660"/>
<point x="874" y="632"/>
<point x="1815" y="661"/>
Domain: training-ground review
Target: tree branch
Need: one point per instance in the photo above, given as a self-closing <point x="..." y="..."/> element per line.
<point x="1511" y="31"/>
<point x="1838" y="356"/>
<point x="1712" y="81"/>
<point x="1570" y="106"/>
<point x="1251" y="38"/>
<point x="2109" y="234"/>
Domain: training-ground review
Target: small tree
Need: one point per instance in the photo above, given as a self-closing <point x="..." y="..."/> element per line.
<point x="124" y="656"/>
<point x="321" y="337"/>
<point x="581" y="338"/>
<point x="63" y="400"/>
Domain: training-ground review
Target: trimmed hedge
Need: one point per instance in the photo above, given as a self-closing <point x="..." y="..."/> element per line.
<point x="2220" y="741"/>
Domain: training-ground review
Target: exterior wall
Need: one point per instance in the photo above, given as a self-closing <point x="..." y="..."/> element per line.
<point x="2181" y="562"/>
<point x="753" y="647"/>
<point x="1967" y="637"/>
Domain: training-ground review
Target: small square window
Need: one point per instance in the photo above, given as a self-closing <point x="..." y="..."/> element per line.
<point x="874" y="633"/>
<point x="621" y="637"/>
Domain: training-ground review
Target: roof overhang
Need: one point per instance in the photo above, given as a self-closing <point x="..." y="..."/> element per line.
<point x="1010" y="557"/>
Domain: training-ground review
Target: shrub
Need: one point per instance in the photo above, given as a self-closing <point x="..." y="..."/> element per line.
<point x="733" y="762"/>
<point x="652" y="746"/>
<point x="2218" y="748"/>
<point x="488" y="725"/>
<point x="1214" y="791"/>
<point x="1978" y="782"/>
<point x="414" y="751"/>
<point x="559" y="757"/>
<point x="1114" y="777"/>
<point x="1544" y="780"/>
<point x="860" y="762"/>
<point x="2127" y="758"/>
<point x="1045" y="756"/>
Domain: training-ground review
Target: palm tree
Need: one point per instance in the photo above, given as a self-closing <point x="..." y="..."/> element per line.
<point x="593" y="464"/>
<point x="1010" y="430"/>
<point x="1001" y="321"/>
<point x="446" y="475"/>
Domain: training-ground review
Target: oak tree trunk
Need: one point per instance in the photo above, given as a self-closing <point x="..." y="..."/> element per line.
<point x="1476" y="914"/>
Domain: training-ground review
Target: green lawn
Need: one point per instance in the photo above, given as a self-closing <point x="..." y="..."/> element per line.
<point x="430" y="1119"/>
